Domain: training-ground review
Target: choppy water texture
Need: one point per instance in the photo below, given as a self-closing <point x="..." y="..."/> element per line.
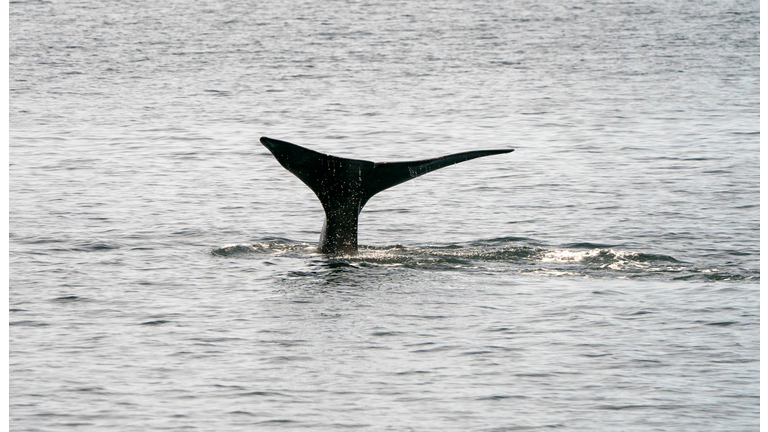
<point x="604" y="276"/>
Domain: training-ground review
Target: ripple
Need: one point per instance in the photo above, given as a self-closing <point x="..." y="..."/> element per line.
<point x="28" y="323"/>
<point x="68" y="299"/>
<point x="155" y="323"/>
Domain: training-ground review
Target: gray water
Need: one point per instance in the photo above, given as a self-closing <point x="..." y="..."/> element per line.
<point x="604" y="276"/>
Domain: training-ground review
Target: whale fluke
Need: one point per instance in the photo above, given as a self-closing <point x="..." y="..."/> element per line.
<point x="345" y="185"/>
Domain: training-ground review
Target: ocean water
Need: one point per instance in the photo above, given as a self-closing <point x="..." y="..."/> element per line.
<point x="604" y="276"/>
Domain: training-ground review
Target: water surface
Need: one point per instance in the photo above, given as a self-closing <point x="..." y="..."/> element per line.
<point x="604" y="276"/>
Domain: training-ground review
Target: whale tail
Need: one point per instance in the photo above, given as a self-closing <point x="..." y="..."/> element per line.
<point x="343" y="186"/>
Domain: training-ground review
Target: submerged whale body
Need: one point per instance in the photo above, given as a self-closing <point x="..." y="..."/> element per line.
<point x="345" y="185"/>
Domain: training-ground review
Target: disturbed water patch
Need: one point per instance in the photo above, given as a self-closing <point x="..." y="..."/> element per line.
<point x="503" y="255"/>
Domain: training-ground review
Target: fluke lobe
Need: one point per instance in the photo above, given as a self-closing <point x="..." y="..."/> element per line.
<point x="345" y="185"/>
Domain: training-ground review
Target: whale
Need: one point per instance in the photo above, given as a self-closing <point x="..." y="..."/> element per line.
<point x="344" y="186"/>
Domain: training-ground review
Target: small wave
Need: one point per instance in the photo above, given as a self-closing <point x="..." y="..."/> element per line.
<point x="587" y="245"/>
<point x="28" y="323"/>
<point x="500" y="241"/>
<point x="92" y="246"/>
<point x="155" y="323"/>
<point x="272" y="247"/>
<point x="238" y="249"/>
<point x="68" y="299"/>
